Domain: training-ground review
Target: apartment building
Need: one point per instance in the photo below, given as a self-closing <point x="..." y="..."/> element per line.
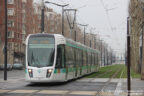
<point x="24" y="17"/>
<point x="20" y="23"/>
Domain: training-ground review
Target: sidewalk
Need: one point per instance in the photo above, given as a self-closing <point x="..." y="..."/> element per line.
<point x="15" y="78"/>
<point x="137" y="87"/>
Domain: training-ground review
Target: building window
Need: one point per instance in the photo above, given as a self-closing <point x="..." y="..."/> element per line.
<point x="51" y="30"/>
<point x="10" y="34"/>
<point x="10" y="23"/>
<point x="18" y="36"/>
<point x="10" y="45"/>
<point x="24" y="1"/>
<point x="10" y="1"/>
<point x="23" y="37"/>
<point x="23" y="27"/>
<point x="10" y="11"/>
<point x="24" y="18"/>
<point x="23" y="31"/>
<point x="39" y="17"/>
<point x="39" y="25"/>
<point x="52" y="23"/>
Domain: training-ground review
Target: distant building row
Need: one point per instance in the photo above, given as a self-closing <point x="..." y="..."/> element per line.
<point x="24" y="17"/>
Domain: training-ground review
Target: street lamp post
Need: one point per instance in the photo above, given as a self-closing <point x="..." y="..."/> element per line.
<point x="62" y="13"/>
<point x="95" y="41"/>
<point x="128" y="58"/>
<point x="84" y="31"/>
<point x="101" y="52"/>
<point x="5" y="47"/>
<point x="42" y="16"/>
<point x="72" y="26"/>
<point x="84" y="35"/>
<point x="90" y="37"/>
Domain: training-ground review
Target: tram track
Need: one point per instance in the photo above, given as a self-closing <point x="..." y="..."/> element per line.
<point x="97" y="94"/>
<point x="100" y="75"/>
<point x="107" y="83"/>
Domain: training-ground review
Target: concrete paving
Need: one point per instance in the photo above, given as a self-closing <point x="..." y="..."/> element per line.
<point x="16" y="86"/>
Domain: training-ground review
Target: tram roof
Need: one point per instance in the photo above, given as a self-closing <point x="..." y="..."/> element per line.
<point x="67" y="40"/>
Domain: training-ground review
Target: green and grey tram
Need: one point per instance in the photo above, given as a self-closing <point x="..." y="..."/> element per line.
<point x="54" y="58"/>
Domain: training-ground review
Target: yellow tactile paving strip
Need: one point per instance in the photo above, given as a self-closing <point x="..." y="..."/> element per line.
<point x="23" y="91"/>
<point x="106" y="94"/>
<point x="62" y="92"/>
<point x="4" y="91"/>
<point x="83" y="92"/>
<point x="52" y="92"/>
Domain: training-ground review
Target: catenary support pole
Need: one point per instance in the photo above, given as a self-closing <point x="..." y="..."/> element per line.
<point x="42" y="16"/>
<point x="128" y="58"/>
<point x="5" y="47"/>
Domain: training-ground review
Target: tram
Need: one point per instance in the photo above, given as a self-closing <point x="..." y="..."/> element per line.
<point x="54" y="58"/>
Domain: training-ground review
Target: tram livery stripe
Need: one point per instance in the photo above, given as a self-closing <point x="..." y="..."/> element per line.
<point x="60" y="70"/>
<point x="73" y="69"/>
<point x="75" y="46"/>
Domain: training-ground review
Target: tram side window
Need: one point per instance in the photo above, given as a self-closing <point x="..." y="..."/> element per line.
<point x="91" y="59"/>
<point x="95" y="59"/>
<point x="84" y="58"/>
<point x="77" y="57"/>
<point x="98" y="56"/>
<point x="81" y="57"/>
<point x="60" y="57"/>
<point x="89" y="63"/>
<point x="69" y="56"/>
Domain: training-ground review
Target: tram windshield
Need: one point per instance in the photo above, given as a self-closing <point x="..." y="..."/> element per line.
<point x="41" y="51"/>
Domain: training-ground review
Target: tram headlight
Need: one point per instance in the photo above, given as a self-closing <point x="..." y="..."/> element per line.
<point x="30" y="72"/>
<point x="49" y="71"/>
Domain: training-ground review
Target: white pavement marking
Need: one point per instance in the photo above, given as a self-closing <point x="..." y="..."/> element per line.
<point x="53" y="92"/>
<point x="4" y="91"/>
<point x="11" y="80"/>
<point x="93" y="80"/>
<point x="106" y="94"/>
<point x="23" y="91"/>
<point x="100" y="80"/>
<point x="115" y="80"/>
<point x="62" y="92"/>
<point x="83" y="92"/>
<point x="118" y="88"/>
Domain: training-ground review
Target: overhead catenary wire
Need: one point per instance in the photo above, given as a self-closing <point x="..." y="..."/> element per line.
<point x="77" y="11"/>
<point x="106" y="10"/>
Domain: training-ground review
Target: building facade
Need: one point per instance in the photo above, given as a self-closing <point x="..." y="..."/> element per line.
<point x="24" y="18"/>
<point x="20" y="23"/>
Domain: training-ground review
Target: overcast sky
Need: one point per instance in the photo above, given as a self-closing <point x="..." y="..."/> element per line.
<point x="107" y="16"/>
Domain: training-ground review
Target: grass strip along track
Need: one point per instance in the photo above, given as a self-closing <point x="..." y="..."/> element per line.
<point x="108" y="71"/>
